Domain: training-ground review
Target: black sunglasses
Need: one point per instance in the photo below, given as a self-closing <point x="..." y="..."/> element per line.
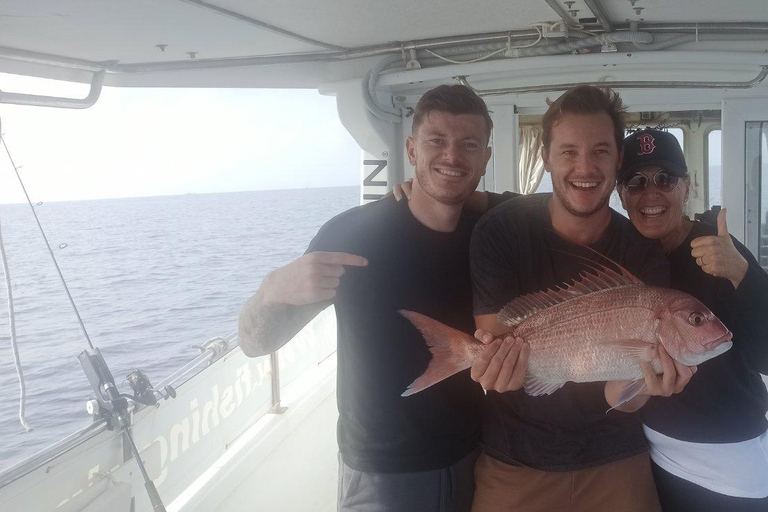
<point x="664" y="181"/>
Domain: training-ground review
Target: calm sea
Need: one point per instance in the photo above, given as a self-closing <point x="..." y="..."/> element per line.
<point x="152" y="277"/>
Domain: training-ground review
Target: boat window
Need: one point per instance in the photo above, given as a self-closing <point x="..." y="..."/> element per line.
<point x="678" y="133"/>
<point x="757" y="183"/>
<point x="714" y="168"/>
<point x="546" y="183"/>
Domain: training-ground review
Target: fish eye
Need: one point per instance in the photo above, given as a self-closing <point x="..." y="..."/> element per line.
<point x="696" y="318"/>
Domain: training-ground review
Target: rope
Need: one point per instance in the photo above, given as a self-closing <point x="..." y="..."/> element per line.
<point x="535" y="26"/>
<point x="14" y="343"/>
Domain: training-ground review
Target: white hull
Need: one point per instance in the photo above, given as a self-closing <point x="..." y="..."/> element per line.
<point x="214" y="447"/>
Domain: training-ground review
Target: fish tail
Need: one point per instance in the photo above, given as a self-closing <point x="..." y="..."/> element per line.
<point x="448" y="351"/>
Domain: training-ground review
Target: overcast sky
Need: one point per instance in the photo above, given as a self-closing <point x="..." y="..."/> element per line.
<point x="143" y="142"/>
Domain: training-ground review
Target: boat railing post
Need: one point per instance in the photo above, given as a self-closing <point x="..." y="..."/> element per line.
<point x="274" y="362"/>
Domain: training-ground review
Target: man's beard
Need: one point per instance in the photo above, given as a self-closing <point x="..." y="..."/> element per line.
<point x="433" y="192"/>
<point x="559" y="191"/>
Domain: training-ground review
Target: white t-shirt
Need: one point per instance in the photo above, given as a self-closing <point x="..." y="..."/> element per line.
<point x="733" y="469"/>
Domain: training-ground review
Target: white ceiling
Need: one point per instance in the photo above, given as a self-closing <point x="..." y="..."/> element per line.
<point x="128" y="31"/>
<point x="353" y="23"/>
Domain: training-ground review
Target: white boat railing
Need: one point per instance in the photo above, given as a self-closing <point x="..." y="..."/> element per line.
<point x="220" y="394"/>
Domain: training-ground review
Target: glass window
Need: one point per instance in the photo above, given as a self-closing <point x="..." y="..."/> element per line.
<point x="678" y="133"/>
<point x="764" y="196"/>
<point x="545" y="185"/>
<point x="756" y="164"/>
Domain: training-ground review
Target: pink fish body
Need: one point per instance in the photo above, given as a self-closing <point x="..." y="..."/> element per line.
<point x="598" y="329"/>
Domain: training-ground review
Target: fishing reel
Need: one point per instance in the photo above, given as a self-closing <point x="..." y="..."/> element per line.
<point x="143" y="392"/>
<point x="111" y="405"/>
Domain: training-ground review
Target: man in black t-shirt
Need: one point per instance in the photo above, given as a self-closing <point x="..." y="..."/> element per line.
<point x="560" y="451"/>
<point x="397" y="454"/>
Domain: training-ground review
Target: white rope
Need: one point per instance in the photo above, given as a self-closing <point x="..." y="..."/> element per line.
<point x="446" y="59"/>
<point x="14" y="343"/>
<point x="535" y="26"/>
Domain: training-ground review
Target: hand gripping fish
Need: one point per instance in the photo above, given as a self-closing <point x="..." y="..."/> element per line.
<point x="597" y="329"/>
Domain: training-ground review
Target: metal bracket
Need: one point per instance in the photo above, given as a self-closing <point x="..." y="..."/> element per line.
<point x="217" y="345"/>
<point x="14" y="98"/>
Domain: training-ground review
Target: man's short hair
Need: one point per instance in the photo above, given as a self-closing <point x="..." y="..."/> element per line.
<point x="453" y="99"/>
<point x="585" y="99"/>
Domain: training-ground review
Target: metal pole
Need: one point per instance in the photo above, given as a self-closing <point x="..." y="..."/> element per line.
<point x="274" y="363"/>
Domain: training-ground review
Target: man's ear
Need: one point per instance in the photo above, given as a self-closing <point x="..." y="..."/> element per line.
<point x="410" y="149"/>
<point x="488" y="153"/>
<point x="545" y="157"/>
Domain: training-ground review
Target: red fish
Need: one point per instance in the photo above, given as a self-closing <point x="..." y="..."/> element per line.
<point x="597" y="329"/>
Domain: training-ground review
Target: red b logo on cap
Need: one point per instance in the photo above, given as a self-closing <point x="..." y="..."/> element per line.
<point x="646" y="144"/>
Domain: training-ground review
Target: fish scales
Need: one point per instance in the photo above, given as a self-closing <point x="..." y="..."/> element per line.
<point x="573" y="340"/>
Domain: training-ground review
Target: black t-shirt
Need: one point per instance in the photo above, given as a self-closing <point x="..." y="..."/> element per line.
<point x="516" y="251"/>
<point x="380" y="352"/>
<point x="726" y="401"/>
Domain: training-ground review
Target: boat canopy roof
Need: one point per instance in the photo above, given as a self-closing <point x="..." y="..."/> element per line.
<point x="306" y="43"/>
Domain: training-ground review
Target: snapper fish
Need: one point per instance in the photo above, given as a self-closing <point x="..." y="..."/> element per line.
<point x="597" y="329"/>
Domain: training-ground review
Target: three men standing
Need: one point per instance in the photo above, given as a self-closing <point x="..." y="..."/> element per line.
<point x="417" y="453"/>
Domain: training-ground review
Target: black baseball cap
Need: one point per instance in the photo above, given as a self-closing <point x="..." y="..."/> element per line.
<point x="652" y="147"/>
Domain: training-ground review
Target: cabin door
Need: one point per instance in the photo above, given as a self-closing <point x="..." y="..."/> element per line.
<point x="745" y="172"/>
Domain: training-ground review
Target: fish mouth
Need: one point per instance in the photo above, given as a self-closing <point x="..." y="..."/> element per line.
<point x="718" y="348"/>
<point x="722" y="339"/>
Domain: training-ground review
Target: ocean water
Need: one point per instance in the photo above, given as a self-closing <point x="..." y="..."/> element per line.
<point x="152" y="278"/>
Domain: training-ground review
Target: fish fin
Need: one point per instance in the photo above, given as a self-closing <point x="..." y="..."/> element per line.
<point x="448" y="351"/>
<point x="620" y="271"/>
<point x="598" y="277"/>
<point x="535" y="387"/>
<point x="638" y="350"/>
<point x="628" y="392"/>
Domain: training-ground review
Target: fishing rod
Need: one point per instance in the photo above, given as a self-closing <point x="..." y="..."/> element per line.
<point x="45" y="237"/>
<point x="109" y="404"/>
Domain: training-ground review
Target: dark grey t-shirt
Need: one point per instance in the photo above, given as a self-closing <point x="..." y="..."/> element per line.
<point x="380" y="353"/>
<point x="515" y="251"/>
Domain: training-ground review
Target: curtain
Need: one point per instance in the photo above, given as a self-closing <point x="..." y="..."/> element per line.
<point x="531" y="167"/>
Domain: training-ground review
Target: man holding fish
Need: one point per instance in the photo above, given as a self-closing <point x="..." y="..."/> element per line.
<point x="562" y="450"/>
<point x="397" y="454"/>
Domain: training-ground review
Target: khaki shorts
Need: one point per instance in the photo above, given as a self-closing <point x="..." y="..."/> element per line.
<point x="621" y="486"/>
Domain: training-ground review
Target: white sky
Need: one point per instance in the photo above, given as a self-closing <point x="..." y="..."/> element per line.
<point x="144" y="142"/>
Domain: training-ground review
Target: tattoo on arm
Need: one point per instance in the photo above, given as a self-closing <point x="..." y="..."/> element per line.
<point x="263" y="329"/>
